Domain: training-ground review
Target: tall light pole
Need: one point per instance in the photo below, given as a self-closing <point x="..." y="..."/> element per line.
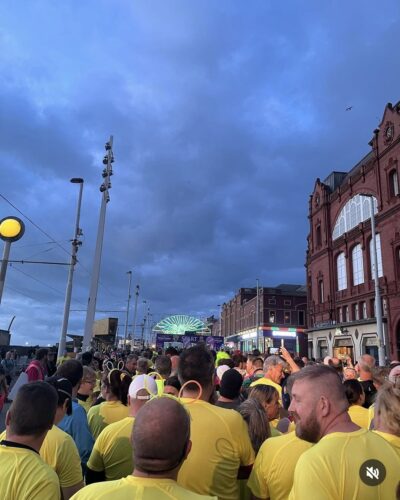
<point x="378" y="305"/>
<point x="135" y="313"/>
<point x="258" y="314"/>
<point x="220" y="319"/>
<point x="105" y="186"/>
<point x="127" y="308"/>
<point x="75" y="244"/>
<point x="11" y="229"/>
<point x="144" y="323"/>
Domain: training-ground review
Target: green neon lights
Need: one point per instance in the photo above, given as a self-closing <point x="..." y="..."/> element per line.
<point x="179" y="324"/>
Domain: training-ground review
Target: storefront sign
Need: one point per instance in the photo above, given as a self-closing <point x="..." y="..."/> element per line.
<point x="184" y="341"/>
<point x="282" y="333"/>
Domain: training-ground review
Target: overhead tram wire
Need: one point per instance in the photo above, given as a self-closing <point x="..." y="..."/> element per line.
<point x="52" y="240"/>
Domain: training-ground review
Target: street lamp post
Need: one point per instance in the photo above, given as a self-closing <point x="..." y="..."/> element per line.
<point x="127" y="308"/>
<point x="220" y="319"/>
<point x="135" y="314"/>
<point x="68" y="293"/>
<point x="378" y="305"/>
<point x="105" y="186"/>
<point x="258" y="315"/>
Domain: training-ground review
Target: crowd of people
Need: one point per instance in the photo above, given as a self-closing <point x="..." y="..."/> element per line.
<point x="200" y="424"/>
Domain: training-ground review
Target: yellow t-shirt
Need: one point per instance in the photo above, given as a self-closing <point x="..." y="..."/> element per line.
<point x="24" y="476"/>
<point x="106" y="413"/>
<point x="60" y="452"/>
<point x="392" y="439"/>
<point x="220" y="444"/>
<point x="86" y="405"/>
<point x="273" y="470"/>
<point x="347" y="465"/>
<point x="359" y="416"/>
<point x="138" y="488"/>
<point x="112" y="451"/>
<point x="267" y="381"/>
<point x="160" y="386"/>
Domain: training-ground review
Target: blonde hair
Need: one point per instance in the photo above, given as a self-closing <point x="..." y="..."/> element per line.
<point x="387" y="406"/>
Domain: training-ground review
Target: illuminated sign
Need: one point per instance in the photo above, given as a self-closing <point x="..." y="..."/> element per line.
<point x="250" y="335"/>
<point x="281" y="333"/>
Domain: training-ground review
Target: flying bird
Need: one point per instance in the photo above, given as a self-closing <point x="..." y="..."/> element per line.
<point x="349" y="108"/>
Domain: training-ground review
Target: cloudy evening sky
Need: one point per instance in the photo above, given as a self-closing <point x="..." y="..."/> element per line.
<point x="223" y="115"/>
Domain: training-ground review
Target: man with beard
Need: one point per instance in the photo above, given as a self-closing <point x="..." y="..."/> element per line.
<point x="347" y="461"/>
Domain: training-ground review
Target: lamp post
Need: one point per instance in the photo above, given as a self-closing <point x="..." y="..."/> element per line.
<point x="135" y="314"/>
<point x="68" y="293"/>
<point x="11" y="229"/>
<point x="258" y="314"/>
<point x="220" y="319"/>
<point x="105" y="198"/>
<point x="378" y="305"/>
<point x="127" y="308"/>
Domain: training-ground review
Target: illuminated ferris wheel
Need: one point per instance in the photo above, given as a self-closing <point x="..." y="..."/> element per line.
<point x="180" y="324"/>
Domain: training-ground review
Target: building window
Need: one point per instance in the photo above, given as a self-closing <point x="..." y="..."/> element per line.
<point x="318" y="236"/>
<point x="384" y="307"/>
<point x="356" y="312"/>
<point x="340" y="315"/>
<point x="358" y="265"/>
<point x="346" y="314"/>
<point x="287" y="302"/>
<point x="364" y="310"/>
<point x="397" y="263"/>
<point x="286" y="317"/>
<point x="301" y="318"/>
<point x="378" y="255"/>
<point x="373" y="308"/>
<point x="272" y="316"/>
<point x="272" y="301"/>
<point x="321" y="291"/>
<point x="393" y="184"/>
<point x="355" y="211"/>
<point x="341" y="271"/>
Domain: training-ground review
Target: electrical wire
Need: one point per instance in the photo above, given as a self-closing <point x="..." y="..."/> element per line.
<point x="53" y="240"/>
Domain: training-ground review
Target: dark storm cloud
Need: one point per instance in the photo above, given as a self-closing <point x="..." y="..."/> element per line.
<point x="223" y="116"/>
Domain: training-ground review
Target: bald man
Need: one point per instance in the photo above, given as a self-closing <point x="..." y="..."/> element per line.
<point x="346" y="461"/>
<point x="161" y="443"/>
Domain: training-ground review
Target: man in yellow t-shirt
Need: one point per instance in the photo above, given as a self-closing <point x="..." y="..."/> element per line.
<point x="221" y="451"/>
<point x="273" y="374"/>
<point x="273" y="470"/>
<point x="161" y="444"/>
<point x="111" y="457"/>
<point x="24" y="475"/>
<point x="163" y="367"/>
<point x="346" y="461"/>
<point x="58" y="449"/>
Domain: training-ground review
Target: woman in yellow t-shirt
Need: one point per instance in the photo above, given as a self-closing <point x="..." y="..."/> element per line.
<point x="114" y="388"/>
<point x="387" y="414"/>
<point x="268" y="396"/>
<point x="356" y="398"/>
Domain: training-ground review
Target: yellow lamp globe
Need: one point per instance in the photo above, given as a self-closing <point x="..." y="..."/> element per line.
<point x="11" y="229"/>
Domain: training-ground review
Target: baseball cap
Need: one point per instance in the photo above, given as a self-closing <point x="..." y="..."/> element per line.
<point x="142" y="382"/>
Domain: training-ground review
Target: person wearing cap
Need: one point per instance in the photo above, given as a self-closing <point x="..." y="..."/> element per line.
<point x="111" y="457"/>
<point x="229" y="389"/>
<point x="161" y="444"/>
<point x="24" y="474"/>
<point x="222" y="450"/>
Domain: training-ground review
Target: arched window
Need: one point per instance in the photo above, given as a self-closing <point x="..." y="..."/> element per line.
<point x="321" y="291"/>
<point x="358" y="265"/>
<point x="393" y="183"/>
<point x="355" y="211"/>
<point x="341" y="271"/>
<point x="378" y="255"/>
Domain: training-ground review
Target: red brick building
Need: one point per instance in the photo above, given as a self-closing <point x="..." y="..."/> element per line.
<point x="282" y="318"/>
<point x="340" y="286"/>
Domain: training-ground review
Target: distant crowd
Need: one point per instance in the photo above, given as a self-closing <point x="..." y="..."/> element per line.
<point x="198" y="424"/>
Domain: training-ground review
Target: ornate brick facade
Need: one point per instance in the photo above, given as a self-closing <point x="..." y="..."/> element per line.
<point x="341" y="306"/>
